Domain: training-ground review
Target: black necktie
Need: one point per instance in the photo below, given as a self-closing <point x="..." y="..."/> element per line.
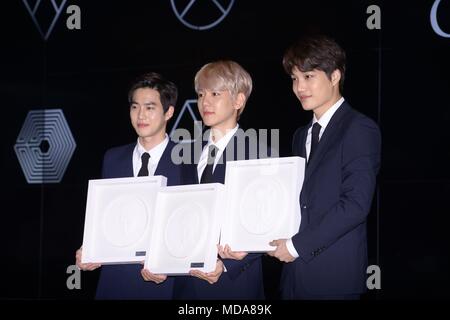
<point x="144" y="169"/>
<point x="314" y="139"/>
<point x="207" y="175"/>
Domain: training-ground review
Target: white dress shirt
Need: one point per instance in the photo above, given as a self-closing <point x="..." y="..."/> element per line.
<point x="323" y="121"/>
<point x="220" y="145"/>
<point x="155" y="155"/>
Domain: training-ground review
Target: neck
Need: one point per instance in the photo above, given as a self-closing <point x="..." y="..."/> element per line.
<point x="319" y="112"/>
<point x="150" y="142"/>
<point x="218" y="133"/>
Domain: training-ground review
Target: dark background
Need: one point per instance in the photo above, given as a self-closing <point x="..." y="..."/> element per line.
<point x="399" y="76"/>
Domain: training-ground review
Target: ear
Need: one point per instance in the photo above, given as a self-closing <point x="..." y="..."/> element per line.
<point x="169" y="113"/>
<point x="335" y="77"/>
<point x="239" y="101"/>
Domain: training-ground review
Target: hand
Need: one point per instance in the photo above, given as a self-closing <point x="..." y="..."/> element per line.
<point x="281" y="252"/>
<point x="156" y="278"/>
<point x="211" y="277"/>
<point x="226" y="253"/>
<point x="85" y="266"/>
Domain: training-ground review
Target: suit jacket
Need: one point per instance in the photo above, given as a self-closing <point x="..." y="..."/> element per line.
<point x="125" y="281"/>
<point x="335" y="200"/>
<point x="243" y="279"/>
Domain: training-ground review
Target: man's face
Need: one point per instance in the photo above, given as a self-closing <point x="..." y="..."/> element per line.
<point x="218" y="108"/>
<point x="315" y="90"/>
<point x="147" y="115"/>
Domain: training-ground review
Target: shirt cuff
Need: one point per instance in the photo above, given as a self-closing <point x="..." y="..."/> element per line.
<point x="291" y="249"/>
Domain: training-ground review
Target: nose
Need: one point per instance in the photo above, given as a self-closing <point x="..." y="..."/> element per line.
<point x="204" y="101"/>
<point x="141" y="113"/>
<point x="299" y="86"/>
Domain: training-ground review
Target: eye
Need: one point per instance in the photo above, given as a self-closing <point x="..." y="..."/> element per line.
<point x="133" y="106"/>
<point x="293" y="78"/>
<point x="215" y="93"/>
<point x="309" y="76"/>
<point x="150" y="108"/>
<point x="200" y="95"/>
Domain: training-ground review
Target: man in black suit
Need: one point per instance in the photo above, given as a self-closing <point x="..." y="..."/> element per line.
<point x="327" y="258"/>
<point x="223" y="88"/>
<point x="152" y="100"/>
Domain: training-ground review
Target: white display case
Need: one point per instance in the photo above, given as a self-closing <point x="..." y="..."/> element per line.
<point x="119" y="215"/>
<point x="262" y="198"/>
<point x="186" y="229"/>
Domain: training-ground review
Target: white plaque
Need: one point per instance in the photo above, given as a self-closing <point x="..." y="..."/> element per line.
<point x="186" y="229"/>
<point x="119" y="215"/>
<point x="262" y="202"/>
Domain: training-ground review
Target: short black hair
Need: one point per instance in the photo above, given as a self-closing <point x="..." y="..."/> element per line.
<point x="168" y="91"/>
<point x="316" y="52"/>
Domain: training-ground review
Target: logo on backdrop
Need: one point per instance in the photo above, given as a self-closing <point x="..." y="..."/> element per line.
<point x="176" y="133"/>
<point x="434" y="22"/>
<point x="214" y="9"/>
<point x="44" y="146"/>
<point x="35" y="13"/>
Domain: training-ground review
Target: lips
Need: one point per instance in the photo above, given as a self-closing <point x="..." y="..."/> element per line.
<point x="207" y="113"/>
<point x="142" y="125"/>
<point x="302" y="98"/>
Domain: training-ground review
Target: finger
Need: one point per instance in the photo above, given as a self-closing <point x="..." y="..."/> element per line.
<point x="222" y="254"/>
<point x="240" y="255"/>
<point x="92" y="266"/>
<point x="199" y="275"/>
<point x="144" y="275"/>
<point x="161" y="277"/>
<point x="225" y="255"/>
<point x="227" y="252"/>
<point x="221" y="251"/>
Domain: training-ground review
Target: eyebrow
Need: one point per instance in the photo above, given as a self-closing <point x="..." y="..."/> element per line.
<point x="145" y="104"/>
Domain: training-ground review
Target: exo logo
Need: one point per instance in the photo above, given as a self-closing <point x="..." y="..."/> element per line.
<point x="176" y="132"/>
<point x="215" y="10"/>
<point x="434" y="22"/>
<point x="39" y="15"/>
<point x="44" y="146"/>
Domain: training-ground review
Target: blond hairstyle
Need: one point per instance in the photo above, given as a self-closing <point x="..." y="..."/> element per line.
<point x="225" y="75"/>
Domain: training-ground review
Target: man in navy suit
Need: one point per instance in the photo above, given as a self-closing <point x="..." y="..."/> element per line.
<point x="152" y="100"/>
<point x="223" y="88"/>
<point x="327" y="258"/>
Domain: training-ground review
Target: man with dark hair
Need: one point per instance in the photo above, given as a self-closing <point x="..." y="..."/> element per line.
<point x="152" y="100"/>
<point x="327" y="258"/>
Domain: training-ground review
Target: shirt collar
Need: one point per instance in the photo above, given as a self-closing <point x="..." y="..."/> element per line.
<point x="223" y="142"/>
<point x="155" y="152"/>
<point x="326" y="117"/>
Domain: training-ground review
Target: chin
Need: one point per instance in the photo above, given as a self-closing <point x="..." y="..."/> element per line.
<point x="208" y="123"/>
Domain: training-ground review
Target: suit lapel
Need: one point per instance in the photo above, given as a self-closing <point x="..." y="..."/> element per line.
<point x="128" y="161"/>
<point x="219" y="171"/>
<point x="163" y="165"/>
<point x="327" y="140"/>
<point x="302" y="141"/>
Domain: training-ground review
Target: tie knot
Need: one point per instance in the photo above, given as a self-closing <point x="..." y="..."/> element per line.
<point x="144" y="157"/>
<point x="212" y="152"/>
<point x="316" y="127"/>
